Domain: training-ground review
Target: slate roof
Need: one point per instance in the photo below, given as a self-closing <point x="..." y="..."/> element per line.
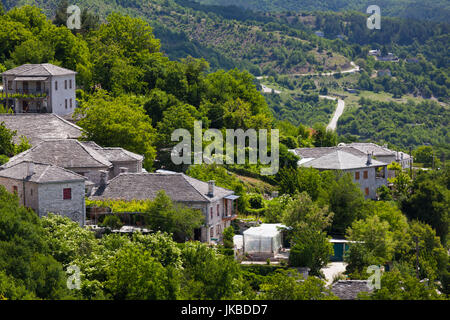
<point x="321" y="151"/>
<point x="42" y="173"/>
<point x="349" y="289"/>
<point x="141" y="186"/>
<point x="114" y="154"/>
<point x="40" y="127"/>
<point x="38" y="70"/>
<point x="66" y="153"/>
<point x="371" y="148"/>
<point x="341" y="160"/>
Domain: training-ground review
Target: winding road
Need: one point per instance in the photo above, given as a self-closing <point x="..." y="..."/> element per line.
<point x="337" y="113"/>
<point x="341" y="104"/>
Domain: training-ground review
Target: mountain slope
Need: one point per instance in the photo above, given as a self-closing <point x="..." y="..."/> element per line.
<point x="226" y="37"/>
<point x="437" y="10"/>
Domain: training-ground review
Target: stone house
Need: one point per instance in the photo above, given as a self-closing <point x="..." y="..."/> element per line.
<point x="370" y="174"/>
<point x="123" y="161"/>
<point x="47" y="188"/>
<point x="383" y="154"/>
<point x="85" y="158"/>
<point x="217" y="204"/>
<point x="40" y="88"/>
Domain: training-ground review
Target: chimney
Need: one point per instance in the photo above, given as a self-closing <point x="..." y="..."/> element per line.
<point x="103" y="178"/>
<point x="123" y="170"/>
<point x="211" y="184"/>
<point x="30" y="169"/>
<point x="369" y="159"/>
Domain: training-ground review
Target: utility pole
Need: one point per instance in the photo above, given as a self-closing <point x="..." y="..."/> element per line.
<point x="416" y="239"/>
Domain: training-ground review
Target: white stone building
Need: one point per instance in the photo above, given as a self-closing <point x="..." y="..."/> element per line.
<point x="46" y="188"/>
<point x="370" y="174"/>
<point x="40" y="88"/>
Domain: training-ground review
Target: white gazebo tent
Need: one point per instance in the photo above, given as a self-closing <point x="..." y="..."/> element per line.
<point x="263" y="239"/>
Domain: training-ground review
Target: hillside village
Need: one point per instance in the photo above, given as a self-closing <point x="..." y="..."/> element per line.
<point x="86" y="175"/>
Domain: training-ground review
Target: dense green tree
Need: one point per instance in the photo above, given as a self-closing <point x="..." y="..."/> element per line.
<point x="344" y="198"/>
<point x="424" y="155"/>
<point x="397" y="286"/>
<point x="135" y="274"/>
<point x="25" y="261"/>
<point x="208" y="275"/>
<point x="429" y="202"/>
<point x="290" y="285"/>
<point x="118" y="122"/>
<point x="6" y="142"/>
<point x="324" y="137"/>
<point x="373" y="244"/>
<point x="162" y="214"/>
<point x="309" y="243"/>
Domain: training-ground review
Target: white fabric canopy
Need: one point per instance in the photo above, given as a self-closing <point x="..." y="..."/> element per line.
<point x="263" y="239"/>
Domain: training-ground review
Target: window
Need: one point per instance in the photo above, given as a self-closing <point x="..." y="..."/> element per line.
<point x="218" y="210"/>
<point x="211" y="232"/>
<point x="10" y="83"/>
<point x="211" y="212"/>
<point x="65" y="101"/>
<point x="65" y="84"/>
<point x="56" y="85"/>
<point x="70" y="103"/>
<point x="70" y="84"/>
<point x="367" y="191"/>
<point x="67" y="194"/>
<point x="366" y="174"/>
<point x="15" y="190"/>
<point x="38" y="87"/>
<point x="357" y="175"/>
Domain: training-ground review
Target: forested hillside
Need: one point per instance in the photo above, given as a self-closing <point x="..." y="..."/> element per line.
<point x="280" y="46"/>
<point x="427" y="10"/>
<point x="403" y="125"/>
<point x="226" y="38"/>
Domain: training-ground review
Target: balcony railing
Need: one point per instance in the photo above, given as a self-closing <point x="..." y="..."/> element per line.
<point x="25" y="94"/>
<point x="228" y="218"/>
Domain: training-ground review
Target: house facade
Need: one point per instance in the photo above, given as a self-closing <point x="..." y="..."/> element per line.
<point x="39" y="88"/>
<point x="46" y="188"/>
<point x="383" y="154"/>
<point x="368" y="173"/>
<point x="217" y="204"/>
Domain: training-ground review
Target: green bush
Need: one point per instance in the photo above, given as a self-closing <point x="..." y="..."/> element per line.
<point x="228" y="234"/>
<point x="112" y="221"/>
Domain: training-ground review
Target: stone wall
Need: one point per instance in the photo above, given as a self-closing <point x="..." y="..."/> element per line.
<point x="51" y="200"/>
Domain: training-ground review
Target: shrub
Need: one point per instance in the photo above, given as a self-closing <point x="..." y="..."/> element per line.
<point x="112" y="221"/>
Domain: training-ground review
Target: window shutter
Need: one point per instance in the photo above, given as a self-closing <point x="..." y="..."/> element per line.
<point x="67" y="193"/>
